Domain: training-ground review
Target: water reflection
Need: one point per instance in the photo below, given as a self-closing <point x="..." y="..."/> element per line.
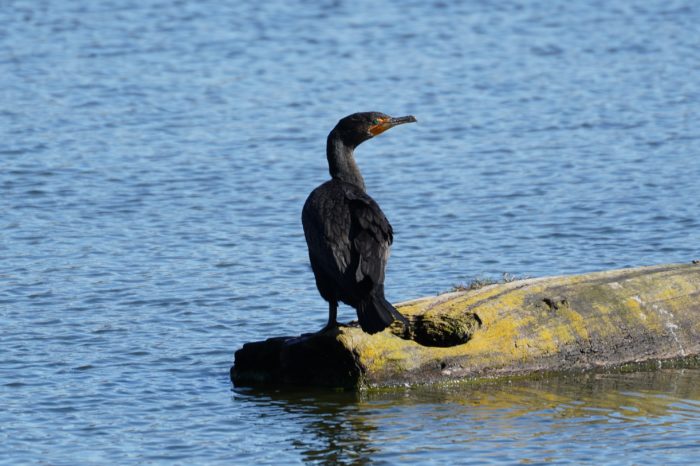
<point x="430" y="422"/>
<point x="335" y="428"/>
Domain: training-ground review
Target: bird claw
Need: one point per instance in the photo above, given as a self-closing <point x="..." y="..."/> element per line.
<point x="329" y="326"/>
<point x="337" y="325"/>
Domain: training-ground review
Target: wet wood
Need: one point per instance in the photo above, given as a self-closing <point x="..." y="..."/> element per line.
<point x="565" y="323"/>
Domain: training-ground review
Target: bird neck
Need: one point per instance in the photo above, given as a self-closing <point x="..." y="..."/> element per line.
<point x="341" y="162"/>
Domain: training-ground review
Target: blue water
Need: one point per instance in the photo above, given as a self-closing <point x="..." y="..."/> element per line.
<point x="154" y="158"/>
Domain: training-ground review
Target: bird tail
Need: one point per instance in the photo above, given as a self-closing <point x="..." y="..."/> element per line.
<point x="375" y="313"/>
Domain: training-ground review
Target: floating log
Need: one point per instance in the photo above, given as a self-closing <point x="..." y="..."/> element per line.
<point x="564" y="323"/>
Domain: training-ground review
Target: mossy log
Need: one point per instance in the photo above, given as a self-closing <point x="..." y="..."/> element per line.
<point x="595" y="320"/>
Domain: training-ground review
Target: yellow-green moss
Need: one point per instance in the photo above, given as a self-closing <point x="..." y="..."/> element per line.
<point x="559" y="323"/>
<point x="519" y="328"/>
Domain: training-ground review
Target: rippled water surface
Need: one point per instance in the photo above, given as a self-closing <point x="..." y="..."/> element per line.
<point x="154" y="159"/>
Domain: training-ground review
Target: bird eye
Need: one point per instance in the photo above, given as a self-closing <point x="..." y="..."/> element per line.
<point x="375" y="122"/>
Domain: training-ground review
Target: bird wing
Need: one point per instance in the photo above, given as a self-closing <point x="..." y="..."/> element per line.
<point x="370" y="237"/>
<point x="327" y="221"/>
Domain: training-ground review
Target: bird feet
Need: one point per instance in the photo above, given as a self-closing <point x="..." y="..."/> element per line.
<point x="335" y="325"/>
<point x="329" y="326"/>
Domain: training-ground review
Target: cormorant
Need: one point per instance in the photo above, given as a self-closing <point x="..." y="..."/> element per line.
<point x="347" y="233"/>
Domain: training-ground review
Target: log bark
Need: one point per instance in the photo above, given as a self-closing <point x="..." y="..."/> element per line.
<point x="580" y="322"/>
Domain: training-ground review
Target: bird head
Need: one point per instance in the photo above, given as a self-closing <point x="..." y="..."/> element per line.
<point x="356" y="128"/>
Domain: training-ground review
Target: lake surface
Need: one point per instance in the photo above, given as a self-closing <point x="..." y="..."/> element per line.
<point x="154" y="158"/>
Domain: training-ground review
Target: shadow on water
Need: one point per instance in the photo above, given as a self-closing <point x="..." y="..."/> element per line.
<point x="352" y="427"/>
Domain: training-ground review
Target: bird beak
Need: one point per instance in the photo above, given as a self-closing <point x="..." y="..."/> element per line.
<point x="387" y="123"/>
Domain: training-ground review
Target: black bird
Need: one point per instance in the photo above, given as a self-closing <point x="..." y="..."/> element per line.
<point x="346" y="231"/>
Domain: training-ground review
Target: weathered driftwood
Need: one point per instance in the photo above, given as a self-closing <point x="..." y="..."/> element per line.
<point x="588" y="321"/>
